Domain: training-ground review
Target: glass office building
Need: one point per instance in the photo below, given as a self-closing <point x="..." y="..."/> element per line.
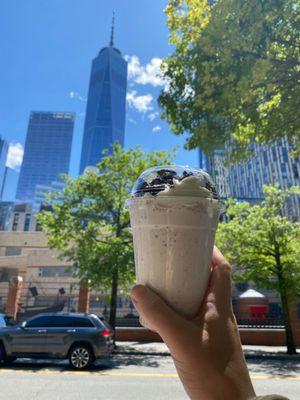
<point x="105" y="111"/>
<point x="47" y="151"/>
<point x="10" y="183"/>
<point x="3" y="157"/>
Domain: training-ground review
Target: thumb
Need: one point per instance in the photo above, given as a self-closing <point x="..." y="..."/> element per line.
<point x="161" y="318"/>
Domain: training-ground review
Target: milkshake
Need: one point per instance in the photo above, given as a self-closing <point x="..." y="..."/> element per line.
<point x="174" y="213"/>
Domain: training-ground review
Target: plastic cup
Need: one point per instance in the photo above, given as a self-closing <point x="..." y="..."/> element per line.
<point x="173" y="234"/>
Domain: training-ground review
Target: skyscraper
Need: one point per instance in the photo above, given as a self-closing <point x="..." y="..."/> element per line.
<point x="47" y="151"/>
<point x="9" y="186"/>
<point x="105" y="111"/>
<point x="3" y="157"/>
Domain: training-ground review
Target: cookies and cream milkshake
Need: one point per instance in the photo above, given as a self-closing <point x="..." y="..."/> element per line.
<point x="174" y="213"/>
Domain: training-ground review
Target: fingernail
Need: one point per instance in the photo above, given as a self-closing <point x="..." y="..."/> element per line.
<point x="138" y="292"/>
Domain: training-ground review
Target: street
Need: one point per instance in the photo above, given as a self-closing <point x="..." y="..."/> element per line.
<point x="129" y="376"/>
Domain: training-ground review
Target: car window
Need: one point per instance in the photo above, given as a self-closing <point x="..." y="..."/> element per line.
<point x="99" y="322"/>
<point x="80" y="322"/>
<point x="39" y="322"/>
<point x="59" y="321"/>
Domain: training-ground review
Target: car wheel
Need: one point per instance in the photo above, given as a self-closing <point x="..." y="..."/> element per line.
<point x="80" y="357"/>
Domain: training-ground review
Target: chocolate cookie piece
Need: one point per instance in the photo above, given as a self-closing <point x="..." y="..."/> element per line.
<point x="158" y="179"/>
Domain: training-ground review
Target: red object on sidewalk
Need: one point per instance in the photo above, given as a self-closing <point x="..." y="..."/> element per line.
<point x="259" y="311"/>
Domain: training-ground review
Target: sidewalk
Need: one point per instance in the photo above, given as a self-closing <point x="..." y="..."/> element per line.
<point x="160" y="349"/>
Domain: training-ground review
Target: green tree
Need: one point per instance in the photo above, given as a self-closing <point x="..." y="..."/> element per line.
<point x="90" y="223"/>
<point x="234" y="74"/>
<point x="264" y="246"/>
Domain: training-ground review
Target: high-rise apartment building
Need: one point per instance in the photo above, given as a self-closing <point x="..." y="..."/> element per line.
<point x="270" y="164"/>
<point x="105" y="111"/>
<point x="47" y="151"/>
<point x="3" y="157"/>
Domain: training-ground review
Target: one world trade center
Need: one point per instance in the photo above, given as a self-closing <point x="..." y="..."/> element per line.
<point x="106" y="105"/>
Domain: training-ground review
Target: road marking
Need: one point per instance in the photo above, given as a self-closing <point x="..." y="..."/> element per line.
<point x="127" y="374"/>
<point x="267" y="377"/>
<point x="60" y="370"/>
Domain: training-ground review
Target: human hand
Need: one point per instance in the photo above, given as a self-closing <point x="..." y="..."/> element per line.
<point x="206" y="350"/>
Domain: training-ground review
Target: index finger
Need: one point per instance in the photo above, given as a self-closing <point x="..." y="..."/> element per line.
<point x="219" y="259"/>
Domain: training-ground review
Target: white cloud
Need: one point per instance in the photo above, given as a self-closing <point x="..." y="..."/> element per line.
<point x="150" y="74"/>
<point x="140" y="103"/>
<point x="133" y="121"/>
<point x="157" y="128"/>
<point x="76" y="95"/>
<point x="15" y="155"/>
<point x="153" y="116"/>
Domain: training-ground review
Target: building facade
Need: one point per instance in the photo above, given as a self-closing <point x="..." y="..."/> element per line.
<point x="271" y="164"/>
<point x="22" y="219"/>
<point x="3" y="158"/>
<point x="10" y="182"/>
<point x="6" y="208"/>
<point x="106" y="105"/>
<point x="215" y="166"/>
<point x="43" y="191"/>
<point x="47" y="151"/>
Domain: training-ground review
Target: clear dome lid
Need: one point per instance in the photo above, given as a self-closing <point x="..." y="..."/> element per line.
<point x="163" y="178"/>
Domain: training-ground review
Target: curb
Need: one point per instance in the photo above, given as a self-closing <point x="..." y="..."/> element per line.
<point x="142" y="353"/>
<point x="265" y="356"/>
<point x="272" y="356"/>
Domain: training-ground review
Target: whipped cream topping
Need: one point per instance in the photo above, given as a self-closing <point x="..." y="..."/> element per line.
<point x="191" y="186"/>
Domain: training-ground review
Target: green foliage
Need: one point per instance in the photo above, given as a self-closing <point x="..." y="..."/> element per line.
<point x="90" y="223"/>
<point x="234" y="73"/>
<point x="262" y="244"/>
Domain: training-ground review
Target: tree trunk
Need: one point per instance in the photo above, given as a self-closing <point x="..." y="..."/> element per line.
<point x="113" y="299"/>
<point x="291" y="348"/>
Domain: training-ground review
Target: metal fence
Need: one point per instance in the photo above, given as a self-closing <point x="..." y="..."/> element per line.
<point x="55" y="294"/>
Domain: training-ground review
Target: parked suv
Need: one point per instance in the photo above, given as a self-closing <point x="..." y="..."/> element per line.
<point x="82" y="338"/>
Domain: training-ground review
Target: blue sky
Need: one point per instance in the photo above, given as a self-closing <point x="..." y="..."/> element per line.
<point x="46" y="51"/>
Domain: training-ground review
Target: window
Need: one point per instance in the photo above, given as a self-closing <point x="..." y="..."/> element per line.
<point x="284" y="154"/>
<point x="54" y="272"/>
<point x="13" y="251"/>
<point x="59" y="321"/>
<point x="27" y="222"/>
<point x="38" y="227"/>
<point x="79" y="322"/>
<point x="39" y="322"/>
<point x="15" y="221"/>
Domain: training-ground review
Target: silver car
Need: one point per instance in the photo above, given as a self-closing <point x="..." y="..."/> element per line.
<point x="81" y="338"/>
